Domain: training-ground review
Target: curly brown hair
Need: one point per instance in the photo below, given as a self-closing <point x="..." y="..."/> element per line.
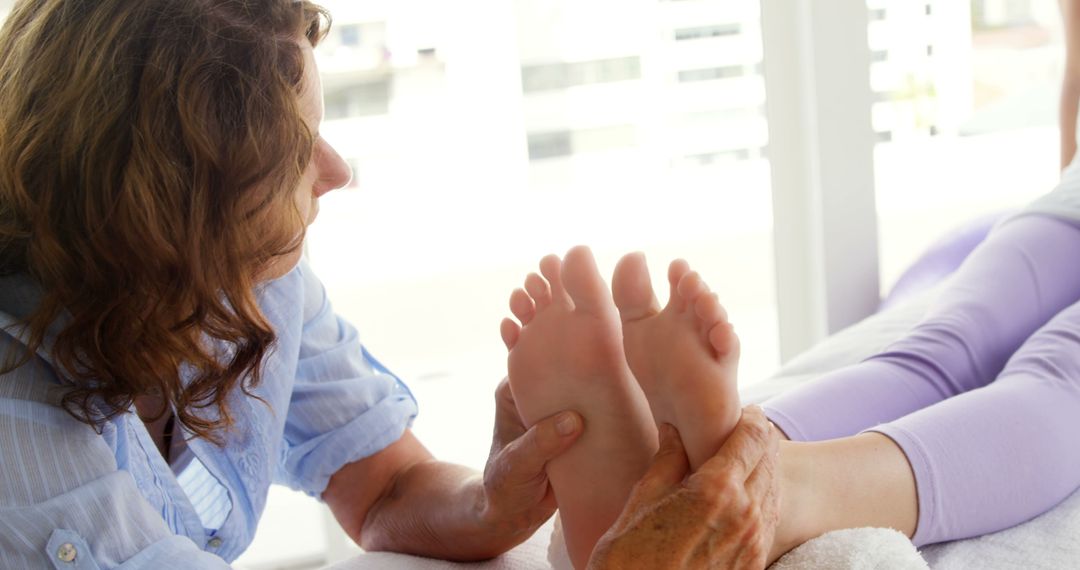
<point x="150" y="152"/>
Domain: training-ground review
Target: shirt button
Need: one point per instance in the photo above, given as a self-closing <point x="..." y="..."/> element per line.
<point x="215" y="542"/>
<point x="67" y="552"/>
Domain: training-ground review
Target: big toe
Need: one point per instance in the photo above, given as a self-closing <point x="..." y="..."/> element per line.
<point x="583" y="281"/>
<point x="633" y="289"/>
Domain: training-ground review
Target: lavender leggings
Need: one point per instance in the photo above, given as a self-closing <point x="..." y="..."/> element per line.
<point x="983" y="395"/>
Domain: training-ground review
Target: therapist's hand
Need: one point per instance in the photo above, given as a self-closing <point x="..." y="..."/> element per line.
<point x="402" y="499"/>
<point x="722" y="516"/>
<point x="518" y="498"/>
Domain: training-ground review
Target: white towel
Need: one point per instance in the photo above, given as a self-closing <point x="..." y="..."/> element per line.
<point x="855" y="549"/>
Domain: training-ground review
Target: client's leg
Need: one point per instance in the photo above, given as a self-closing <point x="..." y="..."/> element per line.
<point x="980" y="462"/>
<point x="1012" y="284"/>
<point x="1000" y="455"/>
<point x="568" y="355"/>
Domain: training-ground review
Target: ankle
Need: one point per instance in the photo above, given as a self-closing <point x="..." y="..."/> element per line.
<point x="863" y="480"/>
<point x="800" y="511"/>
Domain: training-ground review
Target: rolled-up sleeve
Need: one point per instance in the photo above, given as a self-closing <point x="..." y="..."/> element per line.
<point x="64" y="504"/>
<point x="344" y="405"/>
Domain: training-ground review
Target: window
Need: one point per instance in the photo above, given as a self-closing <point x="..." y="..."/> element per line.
<point x="350" y="35"/>
<point x="711" y="73"/>
<point x="713" y="158"/>
<point x="703" y="32"/>
<point x="550" y="145"/>
<point x="567" y="143"/>
<point x="633" y="129"/>
<point x="559" y="76"/>
<point x="358" y="99"/>
<point x="970" y="97"/>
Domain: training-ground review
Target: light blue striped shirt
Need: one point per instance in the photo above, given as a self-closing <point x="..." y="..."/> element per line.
<point x="71" y="498"/>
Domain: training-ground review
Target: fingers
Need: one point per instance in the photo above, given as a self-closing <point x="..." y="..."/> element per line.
<point x="661" y="534"/>
<point x="701" y="524"/>
<point x="669" y="468"/>
<point x="770" y="503"/>
<point x="762" y="480"/>
<point x="724" y="516"/>
<point x="508" y="424"/>
<point x="525" y="457"/>
<point x="743" y="449"/>
<point x="763" y="488"/>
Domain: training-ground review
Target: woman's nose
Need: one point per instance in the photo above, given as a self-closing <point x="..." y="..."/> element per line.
<point x="334" y="172"/>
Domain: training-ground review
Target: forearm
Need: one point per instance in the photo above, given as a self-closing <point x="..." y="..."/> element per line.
<point x="438" y="510"/>
<point x="1070" y="85"/>
<point x="402" y="499"/>
<point x="1068" y="109"/>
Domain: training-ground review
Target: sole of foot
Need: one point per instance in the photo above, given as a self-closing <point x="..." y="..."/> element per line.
<point x="566" y="353"/>
<point x="685" y="355"/>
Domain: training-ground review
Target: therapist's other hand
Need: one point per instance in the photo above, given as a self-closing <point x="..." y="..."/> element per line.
<point x="722" y="516"/>
<point x="518" y="498"/>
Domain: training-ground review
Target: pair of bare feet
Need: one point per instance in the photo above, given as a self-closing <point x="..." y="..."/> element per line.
<point x="627" y="365"/>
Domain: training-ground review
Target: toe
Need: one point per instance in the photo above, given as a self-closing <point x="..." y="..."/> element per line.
<point x="551" y="268"/>
<point x="633" y="289"/>
<point x="690" y="287"/>
<point x="583" y="282"/>
<point x="709" y="310"/>
<point x="676" y="271"/>
<point x="539" y="291"/>
<point x="724" y="341"/>
<point x="521" y="304"/>
<point x="510" y="332"/>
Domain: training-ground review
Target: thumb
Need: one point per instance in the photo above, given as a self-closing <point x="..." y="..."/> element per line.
<point x="526" y="456"/>
<point x="668" y="469"/>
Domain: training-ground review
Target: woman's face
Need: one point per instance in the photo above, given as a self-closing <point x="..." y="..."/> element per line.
<point x="326" y="171"/>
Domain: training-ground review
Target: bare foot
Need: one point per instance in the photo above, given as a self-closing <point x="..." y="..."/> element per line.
<point x="685" y="356"/>
<point x="568" y="355"/>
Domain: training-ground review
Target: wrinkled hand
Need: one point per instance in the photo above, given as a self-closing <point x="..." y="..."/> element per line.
<point x="518" y="498"/>
<point x="722" y="516"/>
